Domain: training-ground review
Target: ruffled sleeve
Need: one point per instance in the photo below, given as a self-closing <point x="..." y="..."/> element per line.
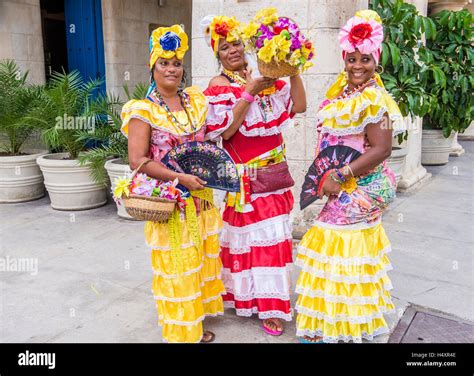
<point x="268" y="121"/>
<point x="156" y="116"/>
<point x="351" y="115"/>
<point x="222" y="100"/>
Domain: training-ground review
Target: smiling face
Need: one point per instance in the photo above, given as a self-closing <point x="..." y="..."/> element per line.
<point x="360" y="68"/>
<point x="168" y="73"/>
<point x="231" y="54"/>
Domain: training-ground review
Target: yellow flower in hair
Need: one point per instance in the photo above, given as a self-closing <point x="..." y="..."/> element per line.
<point x="122" y="187"/>
<point x="167" y="42"/>
<point x="266" y="16"/>
<point x="223" y="27"/>
<point x="368" y="14"/>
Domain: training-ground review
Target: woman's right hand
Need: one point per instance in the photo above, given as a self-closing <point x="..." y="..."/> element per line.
<point x="256" y="85"/>
<point x="193" y="183"/>
<point x="330" y="187"/>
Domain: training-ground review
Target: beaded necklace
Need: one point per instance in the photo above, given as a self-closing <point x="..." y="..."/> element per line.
<point x="347" y="93"/>
<point x="188" y="109"/>
<point x="264" y="103"/>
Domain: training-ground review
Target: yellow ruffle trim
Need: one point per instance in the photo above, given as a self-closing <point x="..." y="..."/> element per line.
<point x="351" y="115"/>
<point x="157" y="118"/>
<point x="343" y="286"/>
<point x="184" y="300"/>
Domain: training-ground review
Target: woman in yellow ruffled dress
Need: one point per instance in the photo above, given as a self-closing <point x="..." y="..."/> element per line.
<point x="343" y="285"/>
<point x="185" y="250"/>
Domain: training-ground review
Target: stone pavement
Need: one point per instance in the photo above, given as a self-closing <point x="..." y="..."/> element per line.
<point x="93" y="277"/>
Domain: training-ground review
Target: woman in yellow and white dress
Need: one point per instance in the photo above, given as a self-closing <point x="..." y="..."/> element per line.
<point x="185" y="250"/>
<point x="343" y="286"/>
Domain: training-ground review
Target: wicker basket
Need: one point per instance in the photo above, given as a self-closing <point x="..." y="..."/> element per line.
<point x="277" y="70"/>
<point x="145" y="208"/>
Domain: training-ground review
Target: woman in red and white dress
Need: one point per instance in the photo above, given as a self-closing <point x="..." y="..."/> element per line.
<point x="249" y="114"/>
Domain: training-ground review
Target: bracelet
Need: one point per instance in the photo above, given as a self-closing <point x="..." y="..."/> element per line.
<point x="334" y="179"/>
<point x="247" y="97"/>
<point x="322" y="182"/>
<point x="346" y="169"/>
<point x="341" y="176"/>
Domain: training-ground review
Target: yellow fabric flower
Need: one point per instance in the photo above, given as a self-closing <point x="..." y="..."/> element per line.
<point x="122" y="187"/>
<point x="283" y="47"/>
<point x="368" y="14"/>
<point x="349" y="185"/>
<point x="266" y="16"/>
<point x="249" y="30"/>
<point x="306" y="65"/>
<point x="173" y="44"/>
<point x="223" y="27"/>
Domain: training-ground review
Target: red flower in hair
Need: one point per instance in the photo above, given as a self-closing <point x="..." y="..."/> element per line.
<point x="360" y="32"/>
<point x="222" y="29"/>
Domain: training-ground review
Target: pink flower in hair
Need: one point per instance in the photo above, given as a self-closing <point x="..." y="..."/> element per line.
<point x="366" y="35"/>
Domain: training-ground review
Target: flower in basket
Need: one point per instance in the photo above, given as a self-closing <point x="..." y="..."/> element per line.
<point x="277" y="39"/>
<point x="122" y="188"/>
<point x="143" y="185"/>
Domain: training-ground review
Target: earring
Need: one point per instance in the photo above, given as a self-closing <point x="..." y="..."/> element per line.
<point x="379" y="69"/>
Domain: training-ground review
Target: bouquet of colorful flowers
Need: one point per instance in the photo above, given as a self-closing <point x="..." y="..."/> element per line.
<point x="146" y="198"/>
<point x="143" y="185"/>
<point x="280" y="46"/>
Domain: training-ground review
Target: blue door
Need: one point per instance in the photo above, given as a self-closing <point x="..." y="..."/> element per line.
<point x="84" y="38"/>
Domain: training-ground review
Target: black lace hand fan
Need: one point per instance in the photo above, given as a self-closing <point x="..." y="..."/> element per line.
<point x="331" y="157"/>
<point x="206" y="161"/>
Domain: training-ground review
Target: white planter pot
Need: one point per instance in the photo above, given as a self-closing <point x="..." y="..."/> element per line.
<point x="435" y="149"/>
<point x="117" y="169"/>
<point x="456" y="148"/>
<point x="397" y="161"/>
<point x="21" y="178"/>
<point x="70" y="185"/>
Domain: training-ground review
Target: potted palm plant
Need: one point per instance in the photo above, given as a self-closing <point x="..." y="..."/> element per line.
<point x="109" y="160"/>
<point x="68" y="120"/>
<point x="450" y="56"/>
<point x="20" y="176"/>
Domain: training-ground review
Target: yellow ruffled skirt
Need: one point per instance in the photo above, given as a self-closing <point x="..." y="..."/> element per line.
<point x="343" y="286"/>
<point x="184" y="299"/>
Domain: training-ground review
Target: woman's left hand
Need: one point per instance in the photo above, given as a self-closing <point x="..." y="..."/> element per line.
<point x="330" y="187"/>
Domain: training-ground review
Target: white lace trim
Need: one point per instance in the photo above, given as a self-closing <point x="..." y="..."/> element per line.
<point x="349" y="300"/>
<point x="259" y="295"/>
<point x="343" y="317"/>
<point x="178" y="300"/>
<point x="342" y="337"/>
<point x="212" y="298"/>
<point x="344" y="261"/>
<point x="212" y="278"/>
<point x="284" y="218"/>
<point x="259" y="271"/>
<point x="208" y="255"/>
<point x="263" y="243"/>
<point x="254" y="196"/>
<point x="263" y="132"/>
<point x="136" y="116"/>
<point x="248" y="312"/>
<point x="397" y="120"/>
<point x="183" y="246"/>
<point x="344" y="278"/>
<point x="190" y="323"/>
<point x="355" y="226"/>
<point x="216" y="134"/>
<point x="172" y="276"/>
<point x="213" y="99"/>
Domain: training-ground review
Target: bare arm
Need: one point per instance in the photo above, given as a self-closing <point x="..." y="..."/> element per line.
<point x="298" y="94"/>
<point x="139" y="134"/>
<point x="380" y="139"/>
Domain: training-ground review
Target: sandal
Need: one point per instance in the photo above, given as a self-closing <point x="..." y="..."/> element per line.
<point x="272" y="332"/>
<point x="211" y="337"/>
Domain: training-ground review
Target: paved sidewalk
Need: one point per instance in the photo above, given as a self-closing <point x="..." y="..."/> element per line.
<point x="94" y="276"/>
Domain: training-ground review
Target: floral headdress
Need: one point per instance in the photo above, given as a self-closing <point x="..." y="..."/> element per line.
<point x="363" y="32"/>
<point x="166" y="42"/>
<point x="216" y="27"/>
